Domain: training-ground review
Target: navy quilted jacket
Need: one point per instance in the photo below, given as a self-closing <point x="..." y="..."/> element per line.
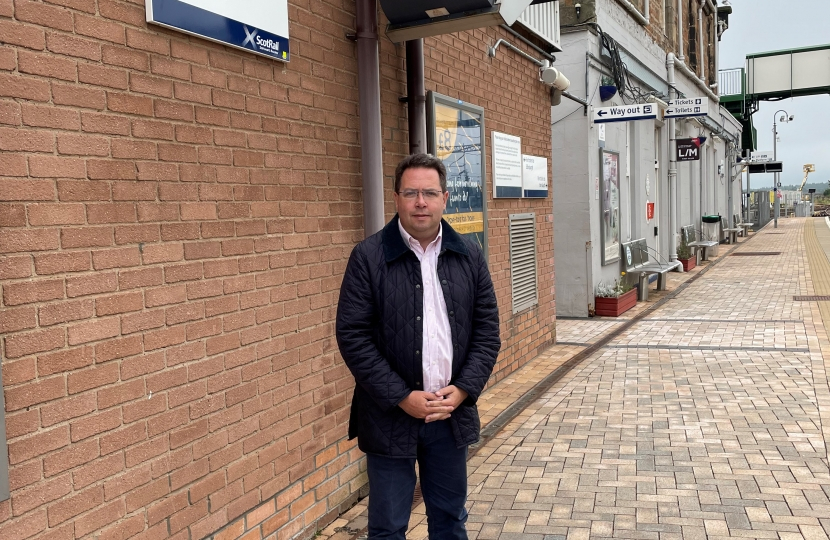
<point x="380" y="334"/>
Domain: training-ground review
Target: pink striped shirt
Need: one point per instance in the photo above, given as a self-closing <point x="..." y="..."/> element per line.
<point x="436" y="359"/>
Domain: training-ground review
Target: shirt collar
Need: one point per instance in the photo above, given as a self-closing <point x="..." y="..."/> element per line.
<point x="412" y="242"/>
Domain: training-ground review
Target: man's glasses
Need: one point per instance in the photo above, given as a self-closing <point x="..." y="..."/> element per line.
<point x="428" y="194"/>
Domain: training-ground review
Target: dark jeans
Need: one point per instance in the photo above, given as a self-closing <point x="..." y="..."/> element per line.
<point x="443" y="474"/>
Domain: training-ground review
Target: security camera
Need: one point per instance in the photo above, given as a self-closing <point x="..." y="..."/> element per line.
<point x="554" y="77"/>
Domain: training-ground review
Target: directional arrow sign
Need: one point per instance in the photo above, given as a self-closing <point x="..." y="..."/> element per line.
<point x="681" y="108"/>
<point x="625" y="113"/>
<point x="760" y="156"/>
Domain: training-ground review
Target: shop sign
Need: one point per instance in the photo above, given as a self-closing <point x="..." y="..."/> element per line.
<point x="688" y="149"/>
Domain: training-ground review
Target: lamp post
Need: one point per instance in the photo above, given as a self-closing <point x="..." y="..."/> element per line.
<point x="786" y="117"/>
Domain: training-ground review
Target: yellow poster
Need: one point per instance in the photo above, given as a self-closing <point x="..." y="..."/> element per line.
<point x="446" y="129"/>
<point x="467" y="222"/>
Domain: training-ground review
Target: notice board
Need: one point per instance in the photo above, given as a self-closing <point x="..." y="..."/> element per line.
<point x="455" y="135"/>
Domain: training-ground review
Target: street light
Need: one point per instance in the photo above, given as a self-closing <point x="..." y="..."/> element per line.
<point x="786" y="118"/>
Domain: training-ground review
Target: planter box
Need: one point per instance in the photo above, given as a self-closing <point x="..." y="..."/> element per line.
<point x="688" y="264"/>
<point x="613" y="307"/>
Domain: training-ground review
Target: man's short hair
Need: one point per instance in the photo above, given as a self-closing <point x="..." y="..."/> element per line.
<point x="421" y="161"/>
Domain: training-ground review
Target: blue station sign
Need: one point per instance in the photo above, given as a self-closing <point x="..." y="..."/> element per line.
<point x="257" y="26"/>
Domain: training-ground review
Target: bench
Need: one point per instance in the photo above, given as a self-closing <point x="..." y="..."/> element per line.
<point x="732" y="232"/>
<point x="689" y="234"/>
<point x="636" y="260"/>
<point x="742" y="225"/>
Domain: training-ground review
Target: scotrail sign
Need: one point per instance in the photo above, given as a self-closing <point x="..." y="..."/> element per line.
<point x="257" y="26"/>
<point x="625" y="113"/>
<point x="684" y="108"/>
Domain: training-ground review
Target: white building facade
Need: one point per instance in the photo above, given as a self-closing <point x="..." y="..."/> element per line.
<point x="621" y="181"/>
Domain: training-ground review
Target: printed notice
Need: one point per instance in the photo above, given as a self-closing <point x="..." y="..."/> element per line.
<point x="534" y="176"/>
<point x="507" y="165"/>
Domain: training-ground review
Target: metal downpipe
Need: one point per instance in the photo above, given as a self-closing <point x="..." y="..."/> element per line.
<point x="416" y="96"/>
<point x="672" y="163"/>
<point x="702" y="44"/>
<point x="680" y="43"/>
<point x="371" y="142"/>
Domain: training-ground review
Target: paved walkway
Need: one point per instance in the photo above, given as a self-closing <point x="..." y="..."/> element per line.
<point x="703" y="413"/>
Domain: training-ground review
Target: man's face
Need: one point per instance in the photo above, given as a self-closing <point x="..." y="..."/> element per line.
<point x="420" y="215"/>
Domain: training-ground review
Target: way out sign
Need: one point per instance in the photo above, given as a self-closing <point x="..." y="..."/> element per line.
<point x="625" y="113"/>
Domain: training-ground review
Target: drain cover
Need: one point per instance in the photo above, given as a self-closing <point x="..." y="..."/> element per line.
<point x="755" y="253"/>
<point x="813" y="298"/>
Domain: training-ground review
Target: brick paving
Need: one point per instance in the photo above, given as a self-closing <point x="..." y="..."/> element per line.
<point x="708" y="417"/>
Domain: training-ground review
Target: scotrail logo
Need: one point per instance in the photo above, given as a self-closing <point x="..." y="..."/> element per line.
<point x="249" y="37"/>
<point x="258" y="43"/>
<point x="269" y="44"/>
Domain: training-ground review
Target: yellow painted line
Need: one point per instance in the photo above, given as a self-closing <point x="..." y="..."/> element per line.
<point x="817" y="242"/>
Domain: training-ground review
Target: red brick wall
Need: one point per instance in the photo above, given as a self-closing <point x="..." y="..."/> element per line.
<point x="175" y="217"/>
<point x="514" y="102"/>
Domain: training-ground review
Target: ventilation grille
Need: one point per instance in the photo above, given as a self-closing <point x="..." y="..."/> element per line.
<point x="523" y="261"/>
<point x="811" y="298"/>
<point x="543" y="20"/>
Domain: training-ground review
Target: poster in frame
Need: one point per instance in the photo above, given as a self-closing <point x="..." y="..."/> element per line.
<point x="610" y="217"/>
<point x="455" y="135"/>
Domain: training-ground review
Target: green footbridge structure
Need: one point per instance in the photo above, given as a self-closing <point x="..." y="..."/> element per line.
<point x="772" y="76"/>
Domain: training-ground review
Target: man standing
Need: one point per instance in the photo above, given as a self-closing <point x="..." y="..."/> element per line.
<point x="418" y="326"/>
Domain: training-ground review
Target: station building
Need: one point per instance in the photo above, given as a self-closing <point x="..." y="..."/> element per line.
<point x="175" y="218"/>
<point x="624" y="181"/>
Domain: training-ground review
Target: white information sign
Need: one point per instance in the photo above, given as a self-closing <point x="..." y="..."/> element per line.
<point x="760" y="156"/>
<point x="625" y="113"/>
<point x="534" y="176"/>
<point x="507" y="165"/>
<point x="258" y="26"/>
<point x="683" y="108"/>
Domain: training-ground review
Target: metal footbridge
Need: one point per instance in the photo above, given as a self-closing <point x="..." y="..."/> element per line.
<point x="773" y="76"/>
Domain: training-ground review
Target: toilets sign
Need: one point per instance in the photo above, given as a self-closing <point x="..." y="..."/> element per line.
<point x="625" y="113"/>
<point x="684" y="108"/>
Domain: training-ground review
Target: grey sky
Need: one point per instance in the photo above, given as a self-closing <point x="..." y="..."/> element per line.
<point x="770" y="25"/>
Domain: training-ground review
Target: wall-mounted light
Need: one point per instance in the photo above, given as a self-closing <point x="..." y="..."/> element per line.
<point x="578" y="8"/>
<point x="553" y="77"/>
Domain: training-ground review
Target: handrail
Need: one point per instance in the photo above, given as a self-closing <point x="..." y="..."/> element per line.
<point x="660" y="260"/>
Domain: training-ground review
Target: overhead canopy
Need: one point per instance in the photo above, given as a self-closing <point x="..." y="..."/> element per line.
<point x="413" y="19"/>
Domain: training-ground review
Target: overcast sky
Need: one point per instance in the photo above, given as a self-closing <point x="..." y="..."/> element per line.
<point x="769" y="25"/>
